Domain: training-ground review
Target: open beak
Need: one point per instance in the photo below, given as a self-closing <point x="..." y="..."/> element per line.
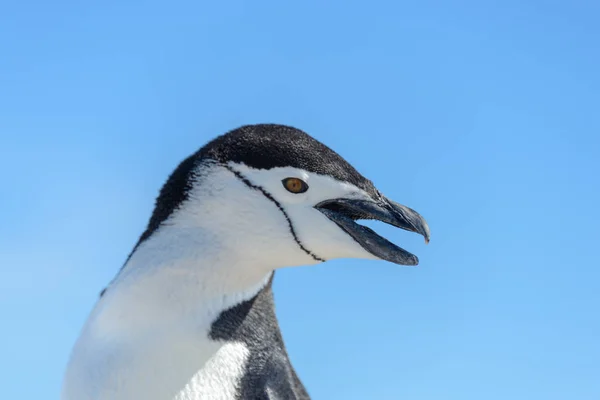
<point x="344" y="212"/>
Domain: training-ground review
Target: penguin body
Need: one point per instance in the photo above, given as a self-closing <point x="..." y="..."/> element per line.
<point x="191" y="314"/>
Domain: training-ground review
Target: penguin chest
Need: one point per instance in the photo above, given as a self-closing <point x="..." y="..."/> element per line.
<point x="220" y="377"/>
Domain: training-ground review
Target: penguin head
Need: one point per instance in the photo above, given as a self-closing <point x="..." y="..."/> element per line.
<point x="274" y="196"/>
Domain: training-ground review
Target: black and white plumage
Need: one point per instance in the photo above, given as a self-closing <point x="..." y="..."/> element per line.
<point x="190" y="315"/>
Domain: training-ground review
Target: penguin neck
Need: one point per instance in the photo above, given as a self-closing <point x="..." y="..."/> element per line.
<point x="189" y="268"/>
<point x="151" y="334"/>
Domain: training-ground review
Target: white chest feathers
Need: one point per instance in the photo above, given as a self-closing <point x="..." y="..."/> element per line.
<point x="149" y="336"/>
<point x="181" y="371"/>
<point x="132" y="347"/>
<point x="220" y="377"/>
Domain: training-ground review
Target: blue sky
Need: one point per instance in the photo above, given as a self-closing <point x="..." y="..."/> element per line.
<point x="481" y="115"/>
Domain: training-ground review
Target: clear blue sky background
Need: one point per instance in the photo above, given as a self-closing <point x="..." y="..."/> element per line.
<point x="484" y="116"/>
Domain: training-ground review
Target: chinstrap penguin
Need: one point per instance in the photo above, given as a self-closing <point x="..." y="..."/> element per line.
<point x="190" y="315"/>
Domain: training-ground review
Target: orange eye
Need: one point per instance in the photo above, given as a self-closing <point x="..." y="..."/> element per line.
<point x="295" y="185"/>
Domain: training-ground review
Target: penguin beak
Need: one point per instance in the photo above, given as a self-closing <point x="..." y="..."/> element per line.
<point x="344" y="212"/>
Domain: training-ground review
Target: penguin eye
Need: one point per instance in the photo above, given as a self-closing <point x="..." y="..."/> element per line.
<point x="295" y="185"/>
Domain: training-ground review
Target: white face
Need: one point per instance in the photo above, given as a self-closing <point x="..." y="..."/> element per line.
<point x="249" y="223"/>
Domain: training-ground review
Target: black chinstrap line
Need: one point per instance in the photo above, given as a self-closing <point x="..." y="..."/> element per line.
<point x="270" y="197"/>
